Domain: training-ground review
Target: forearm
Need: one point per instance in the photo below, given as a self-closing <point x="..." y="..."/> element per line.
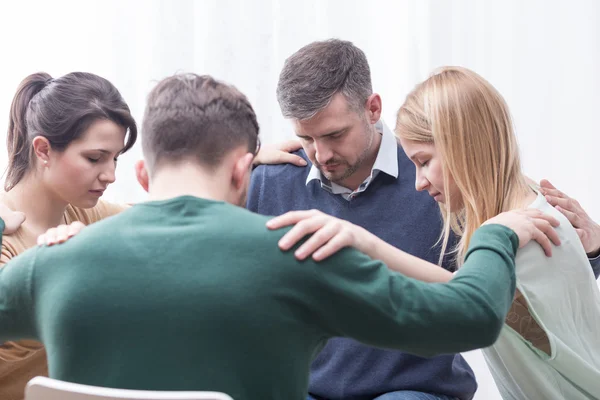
<point x="402" y="262"/>
<point x="471" y="309"/>
<point x="390" y="310"/>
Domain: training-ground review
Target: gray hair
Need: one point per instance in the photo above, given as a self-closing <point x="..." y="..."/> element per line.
<point x="315" y="73"/>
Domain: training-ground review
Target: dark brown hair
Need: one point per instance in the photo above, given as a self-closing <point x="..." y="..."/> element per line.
<point x="197" y="118"/>
<point x="60" y="110"/>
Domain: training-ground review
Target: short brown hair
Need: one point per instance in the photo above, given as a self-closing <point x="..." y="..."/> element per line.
<point x="197" y="118"/>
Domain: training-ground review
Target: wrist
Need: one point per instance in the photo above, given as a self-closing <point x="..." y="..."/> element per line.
<point x="366" y="242"/>
<point x="594" y="254"/>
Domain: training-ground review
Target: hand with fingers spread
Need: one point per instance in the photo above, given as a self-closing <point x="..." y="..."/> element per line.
<point x="530" y="224"/>
<point x="329" y="234"/>
<point x="60" y="234"/>
<point x="12" y="219"/>
<point x="587" y="229"/>
<point x="280" y="153"/>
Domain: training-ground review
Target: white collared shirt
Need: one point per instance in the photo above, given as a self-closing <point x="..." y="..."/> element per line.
<point x="386" y="162"/>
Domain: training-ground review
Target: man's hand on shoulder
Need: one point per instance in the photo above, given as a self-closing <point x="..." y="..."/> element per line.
<point x="587" y="229"/>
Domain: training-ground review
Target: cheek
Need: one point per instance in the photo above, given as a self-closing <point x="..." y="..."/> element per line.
<point x="72" y="172"/>
<point x="455" y="192"/>
<point x="436" y="176"/>
<point x="309" y="149"/>
<point x="347" y="150"/>
<point x="359" y="143"/>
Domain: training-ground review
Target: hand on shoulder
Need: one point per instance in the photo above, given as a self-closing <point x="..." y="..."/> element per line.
<point x="12" y="219"/>
<point x="530" y="224"/>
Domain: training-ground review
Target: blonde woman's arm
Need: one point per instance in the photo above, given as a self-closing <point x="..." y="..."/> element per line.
<point x="330" y="234"/>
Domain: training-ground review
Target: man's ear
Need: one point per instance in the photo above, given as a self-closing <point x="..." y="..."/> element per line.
<point x="241" y="171"/>
<point x="373" y="107"/>
<point x="142" y="174"/>
<point x="41" y="149"/>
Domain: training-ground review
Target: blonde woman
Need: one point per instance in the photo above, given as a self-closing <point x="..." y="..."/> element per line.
<point x="457" y="130"/>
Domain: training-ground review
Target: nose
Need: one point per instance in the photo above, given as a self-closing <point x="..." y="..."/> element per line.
<point x="322" y="152"/>
<point x="108" y="174"/>
<point x="421" y="183"/>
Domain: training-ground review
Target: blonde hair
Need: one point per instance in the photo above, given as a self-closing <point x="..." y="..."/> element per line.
<point x="468" y="121"/>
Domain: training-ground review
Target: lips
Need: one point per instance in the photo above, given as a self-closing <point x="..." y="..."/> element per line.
<point x="98" y="191"/>
<point x="436" y="195"/>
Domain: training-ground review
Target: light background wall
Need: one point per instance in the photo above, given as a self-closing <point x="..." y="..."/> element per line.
<point x="543" y="56"/>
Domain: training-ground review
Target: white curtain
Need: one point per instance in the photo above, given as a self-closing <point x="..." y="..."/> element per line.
<point x="543" y="56"/>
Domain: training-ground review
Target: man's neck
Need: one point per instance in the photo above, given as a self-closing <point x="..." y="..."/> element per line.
<point x="189" y="180"/>
<point x="40" y="205"/>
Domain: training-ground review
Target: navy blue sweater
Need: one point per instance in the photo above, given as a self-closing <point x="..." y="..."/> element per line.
<point x="393" y="210"/>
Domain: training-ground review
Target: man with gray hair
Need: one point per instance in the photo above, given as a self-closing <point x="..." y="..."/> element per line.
<point x="357" y="172"/>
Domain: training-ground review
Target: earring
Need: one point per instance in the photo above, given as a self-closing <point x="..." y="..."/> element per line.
<point x="45" y="162"/>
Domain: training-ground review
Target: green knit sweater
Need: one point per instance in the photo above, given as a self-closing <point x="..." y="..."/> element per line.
<point x="193" y="294"/>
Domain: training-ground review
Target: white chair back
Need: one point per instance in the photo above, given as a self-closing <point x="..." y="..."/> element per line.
<point x="42" y="388"/>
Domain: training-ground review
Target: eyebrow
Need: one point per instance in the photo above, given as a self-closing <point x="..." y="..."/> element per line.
<point x="327" y="134"/>
<point x="414" y="156"/>
<point x="103" y="151"/>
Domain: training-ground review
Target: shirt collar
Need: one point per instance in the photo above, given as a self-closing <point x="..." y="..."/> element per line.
<point x="386" y="161"/>
<point x="387" y="156"/>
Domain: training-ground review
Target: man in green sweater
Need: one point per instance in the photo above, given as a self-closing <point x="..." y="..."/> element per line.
<point x="188" y="291"/>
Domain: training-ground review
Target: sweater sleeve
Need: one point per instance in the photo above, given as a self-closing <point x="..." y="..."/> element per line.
<point x="8" y="251"/>
<point x="16" y="303"/>
<point x="6" y="254"/>
<point x="363" y="299"/>
<point x="595" y="263"/>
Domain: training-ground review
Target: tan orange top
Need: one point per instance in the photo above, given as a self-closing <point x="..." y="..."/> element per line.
<point x="20" y="361"/>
